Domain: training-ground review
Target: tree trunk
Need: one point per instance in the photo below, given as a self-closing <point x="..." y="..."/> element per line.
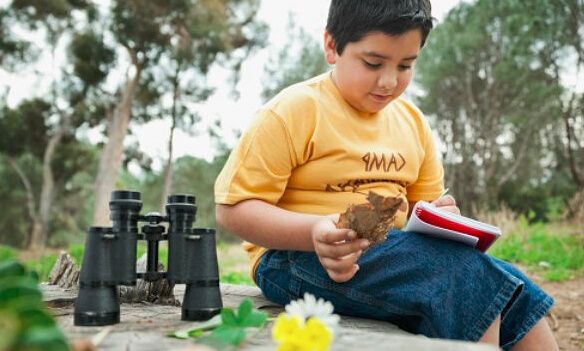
<point x="167" y="181"/>
<point x="36" y="229"/>
<point x="39" y="240"/>
<point x="111" y="156"/>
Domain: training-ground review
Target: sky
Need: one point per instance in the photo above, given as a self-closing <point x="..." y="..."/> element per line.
<point x="235" y="115"/>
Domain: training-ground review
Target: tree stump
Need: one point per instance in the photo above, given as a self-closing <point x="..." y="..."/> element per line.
<point x="158" y="292"/>
<point x="65" y="274"/>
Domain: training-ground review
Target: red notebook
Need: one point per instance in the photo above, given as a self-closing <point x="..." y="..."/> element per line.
<point x="430" y="220"/>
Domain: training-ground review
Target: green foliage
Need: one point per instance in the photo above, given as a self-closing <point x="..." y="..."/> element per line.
<point x="491" y="77"/>
<point x="7" y="253"/>
<point x="25" y="324"/>
<point x="25" y="128"/>
<point x="72" y="167"/>
<point x="239" y="278"/>
<point x="76" y="251"/>
<point x="229" y="329"/>
<point x="92" y="58"/>
<point x="546" y="200"/>
<point x="553" y="253"/>
<point x="42" y="266"/>
<point x="300" y="59"/>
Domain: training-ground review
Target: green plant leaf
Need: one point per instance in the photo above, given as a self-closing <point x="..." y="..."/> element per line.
<point x="11" y="268"/>
<point x="11" y="289"/>
<point x="191" y="332"/>
<point x="217" y="344"/>
<point x="33" y="317"/>
<point x="255" y="319"/>
<point x="43" y="338"/>
<point x="245" y="309"/>
<point x="228" y="317"/>
<point x="229" y="327"/>
<point x="9" y="328"/>
<point x="231" y="334"/>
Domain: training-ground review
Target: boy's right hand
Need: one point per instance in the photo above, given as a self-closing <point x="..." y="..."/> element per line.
<point x="337" y="249"/>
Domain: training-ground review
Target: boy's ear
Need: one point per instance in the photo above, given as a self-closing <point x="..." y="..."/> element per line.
<point x="330" y="52"/>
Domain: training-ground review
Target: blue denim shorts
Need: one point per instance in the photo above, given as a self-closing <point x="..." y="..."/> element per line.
<point x="429" y="286"/>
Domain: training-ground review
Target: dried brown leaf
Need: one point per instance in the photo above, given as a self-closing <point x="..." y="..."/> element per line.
<point x="373" y="219"/>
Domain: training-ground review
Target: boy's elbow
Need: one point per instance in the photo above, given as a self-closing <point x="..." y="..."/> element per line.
<point x="222" y="217"/>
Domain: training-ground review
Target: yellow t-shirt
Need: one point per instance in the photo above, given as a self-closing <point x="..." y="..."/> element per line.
<point x="309" y="151"/>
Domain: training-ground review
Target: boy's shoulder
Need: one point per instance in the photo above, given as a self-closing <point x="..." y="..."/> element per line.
<point x="306" y="92"/>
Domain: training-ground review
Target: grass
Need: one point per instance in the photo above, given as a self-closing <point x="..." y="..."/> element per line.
<point x="550" y="250"/>
<point x="233" y="261"/>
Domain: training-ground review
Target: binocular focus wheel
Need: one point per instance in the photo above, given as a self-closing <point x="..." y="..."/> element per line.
<point x="92" y="319"/>
<point x="200" y="314"/>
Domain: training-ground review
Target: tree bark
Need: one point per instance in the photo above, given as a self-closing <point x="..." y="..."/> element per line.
<point x="111" y="156"/>
<point x="168" y="169"/>
<point x="36" y="229"/>
<point x="39" y="240"/>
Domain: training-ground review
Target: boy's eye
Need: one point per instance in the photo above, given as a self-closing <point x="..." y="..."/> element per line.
<point x="371" y="65"/>
<point x="404" y="68"/>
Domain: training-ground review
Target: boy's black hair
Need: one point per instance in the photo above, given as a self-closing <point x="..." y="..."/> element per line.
<point x="350" y="20"/>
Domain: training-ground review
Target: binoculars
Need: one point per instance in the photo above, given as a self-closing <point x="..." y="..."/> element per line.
<point x="110" y="259"/>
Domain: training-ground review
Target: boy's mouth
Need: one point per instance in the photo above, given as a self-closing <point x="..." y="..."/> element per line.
<point x="380" y="98"/>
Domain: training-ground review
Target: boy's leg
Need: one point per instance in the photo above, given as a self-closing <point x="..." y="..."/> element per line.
<point x="428" y="286"/>
<point x="523" y="326"/>
<point x="540" y="337"/>
<point x="491" y="336"/>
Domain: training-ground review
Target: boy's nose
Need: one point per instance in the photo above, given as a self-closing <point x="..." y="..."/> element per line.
<point x="387" y="80"/>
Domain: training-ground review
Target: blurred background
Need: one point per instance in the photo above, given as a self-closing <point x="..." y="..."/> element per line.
<point x="152" y="96"/>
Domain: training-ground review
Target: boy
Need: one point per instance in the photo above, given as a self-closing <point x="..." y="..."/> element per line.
<point x="319" y="146"/>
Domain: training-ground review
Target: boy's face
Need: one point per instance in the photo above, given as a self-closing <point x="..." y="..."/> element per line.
<point x="376" y="70"/>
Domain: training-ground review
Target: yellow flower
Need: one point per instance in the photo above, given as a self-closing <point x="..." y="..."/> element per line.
<point x="315" y="335"/>
<point x="286" y="328"/>
<point x="307" y="325"/>
<point x="293" y="345"/>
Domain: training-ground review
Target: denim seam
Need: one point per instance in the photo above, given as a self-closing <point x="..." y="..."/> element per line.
<point x="538" y="314"/>
<point x="358" y="296"/>
<point x="263" y="279"/>
<point x="493" y="310"/>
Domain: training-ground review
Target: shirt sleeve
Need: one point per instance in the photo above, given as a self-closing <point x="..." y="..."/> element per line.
<point x="430" y="182"/>
<point x="260" y="166"/>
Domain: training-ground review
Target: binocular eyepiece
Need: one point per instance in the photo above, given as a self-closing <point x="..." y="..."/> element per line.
<point x="110" y="259"/>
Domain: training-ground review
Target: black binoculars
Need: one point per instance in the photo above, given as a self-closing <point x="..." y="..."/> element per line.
<point x="110" y="259"/>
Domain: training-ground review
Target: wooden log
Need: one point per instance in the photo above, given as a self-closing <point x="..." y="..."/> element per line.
<point x="65" y="274"/>
<point x="157" y="292"/>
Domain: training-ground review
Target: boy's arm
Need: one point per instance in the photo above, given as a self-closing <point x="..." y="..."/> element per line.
<point x="269" y="226"/>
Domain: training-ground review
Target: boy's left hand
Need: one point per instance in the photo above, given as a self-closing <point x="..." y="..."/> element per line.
<point x="447" y="203"/>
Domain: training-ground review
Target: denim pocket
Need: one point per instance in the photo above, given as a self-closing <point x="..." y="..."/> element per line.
<point x="275" y="279"/>
<point x="276" y="259"/>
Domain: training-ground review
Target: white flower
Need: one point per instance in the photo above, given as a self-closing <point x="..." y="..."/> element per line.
<point x="311" y="307"/>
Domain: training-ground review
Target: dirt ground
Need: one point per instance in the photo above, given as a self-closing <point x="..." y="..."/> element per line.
<point x="567" y="316"/>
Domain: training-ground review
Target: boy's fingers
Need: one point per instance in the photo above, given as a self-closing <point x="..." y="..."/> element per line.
<point x="344" y="276"/>
<point x="335" y="236"/>
<point x="340" y="265"/>
<point x="341" y="249"/>
<point x="446" y="200"/>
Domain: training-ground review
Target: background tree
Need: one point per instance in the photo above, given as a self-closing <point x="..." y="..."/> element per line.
<point x="28" y="134"/>
<point x="301" y="58"/>
<point x="215" y="30"/>
<point x="488" y="81"/>
<point x="12" y="50"/>
<point x="51" y="119"/>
